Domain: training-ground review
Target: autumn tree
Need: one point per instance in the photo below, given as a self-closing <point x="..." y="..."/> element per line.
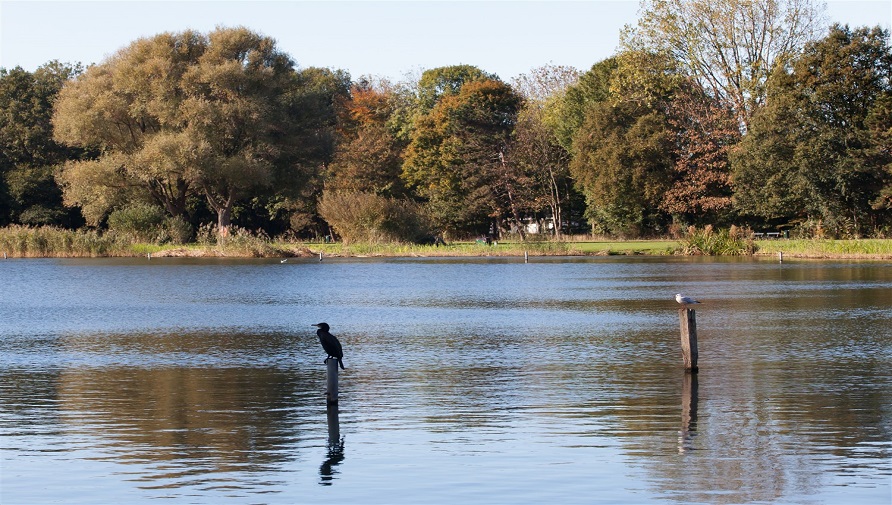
<point x="729" y="46"/>
<point x="706" y="131"/>
<point x="29" y="155"/>
<point x="369" y="154"/>
<point x="364" y="198"/>
<point x="457" y="161"/>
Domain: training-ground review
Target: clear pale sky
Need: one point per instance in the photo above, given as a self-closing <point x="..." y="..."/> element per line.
<point x="389" y="39"/>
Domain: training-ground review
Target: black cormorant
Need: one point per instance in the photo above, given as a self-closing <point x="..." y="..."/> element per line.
<point x="330" y="344"/>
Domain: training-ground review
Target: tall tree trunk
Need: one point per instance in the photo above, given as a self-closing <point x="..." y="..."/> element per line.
<point x="509" y="189"/>
<point x="224" y="219"/>
<point x="556" y="218"/>
<point x="223" y="207"/>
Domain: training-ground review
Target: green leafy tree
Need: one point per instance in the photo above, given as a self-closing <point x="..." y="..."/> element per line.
<point x="440" y="82"/>
<point x="817" y="151"/>
<point x="312" y="109"/>
<point x="180" y="114"/>
<point x="28" y="192"/>
<point x="623" y="163"/>
<point x="564" y="111"/>
<point x="879" y="123"/>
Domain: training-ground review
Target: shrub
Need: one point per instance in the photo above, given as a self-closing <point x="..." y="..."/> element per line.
<point x="177" y="230"/>
<point x="241" y="242"/>
<point x="732" y="242"/>
<point x="139" y="222"/>
<point x="371" y="218"/>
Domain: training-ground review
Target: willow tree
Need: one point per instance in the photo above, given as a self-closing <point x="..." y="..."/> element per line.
<point x="176" y="115"/>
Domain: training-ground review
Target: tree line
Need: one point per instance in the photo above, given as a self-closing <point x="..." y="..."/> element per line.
<point x="721" y="112"/>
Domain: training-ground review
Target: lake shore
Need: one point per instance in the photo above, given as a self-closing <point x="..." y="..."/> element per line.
<point x="875" y="249"/>
<point x="48" y="242"/>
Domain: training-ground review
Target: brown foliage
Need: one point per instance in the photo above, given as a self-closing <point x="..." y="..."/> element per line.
<point x="706" y="132"/>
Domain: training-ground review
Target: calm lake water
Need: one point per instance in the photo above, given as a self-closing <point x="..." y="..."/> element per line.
<point x="467" y="381"/>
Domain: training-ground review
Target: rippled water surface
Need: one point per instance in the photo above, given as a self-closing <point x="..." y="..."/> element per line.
<point x="467" y="381"/>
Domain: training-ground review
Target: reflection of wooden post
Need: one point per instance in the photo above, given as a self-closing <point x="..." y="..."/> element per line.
<point x="331" y="381"/>
<point x="335" y="454"/>
<point x="688" y="319"/>
<point x="688" y="411"/>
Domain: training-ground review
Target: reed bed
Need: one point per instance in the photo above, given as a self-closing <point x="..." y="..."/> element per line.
<point x="827" y="248"/>
<point x="45" y="241"/>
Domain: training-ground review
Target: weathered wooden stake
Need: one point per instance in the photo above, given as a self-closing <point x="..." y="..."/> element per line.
<point x="688" y="319"/>
<point x="526" y="257"/>
<point x="780" y="256"/>
<point x="331" y="382"/>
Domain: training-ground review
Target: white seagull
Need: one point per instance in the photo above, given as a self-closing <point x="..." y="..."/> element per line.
<point x="684" y="300"/>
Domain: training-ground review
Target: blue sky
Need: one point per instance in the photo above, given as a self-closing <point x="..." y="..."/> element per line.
<point x="390" y="39"/>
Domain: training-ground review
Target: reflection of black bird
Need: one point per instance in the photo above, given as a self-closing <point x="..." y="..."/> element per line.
<point x="335" y="456"/>
<point x="330" y="344"/>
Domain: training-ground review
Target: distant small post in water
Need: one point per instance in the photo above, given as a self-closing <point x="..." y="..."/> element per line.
<point x="688" y="321"/>
<point x="331" y="382"/>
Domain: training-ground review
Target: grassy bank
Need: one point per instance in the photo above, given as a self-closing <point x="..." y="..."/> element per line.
<point x="823" y="248"/>
<point x="38" y="242"/>
<point x="544" y="248"/>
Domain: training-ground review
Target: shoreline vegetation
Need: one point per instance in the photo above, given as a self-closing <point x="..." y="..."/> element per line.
<point x="50" y="242"/>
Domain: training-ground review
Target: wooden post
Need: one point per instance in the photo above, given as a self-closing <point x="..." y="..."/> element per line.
<point x="320" y="256"/>
<point x="331" y="382"/>
<point x="526" y="257"/>
<point x="780" y="256"/>
<point x="688" y="319"/>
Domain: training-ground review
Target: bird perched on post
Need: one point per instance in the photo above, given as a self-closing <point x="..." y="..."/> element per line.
<point x="330" y="344"/>
<point x="684" y="300"/>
